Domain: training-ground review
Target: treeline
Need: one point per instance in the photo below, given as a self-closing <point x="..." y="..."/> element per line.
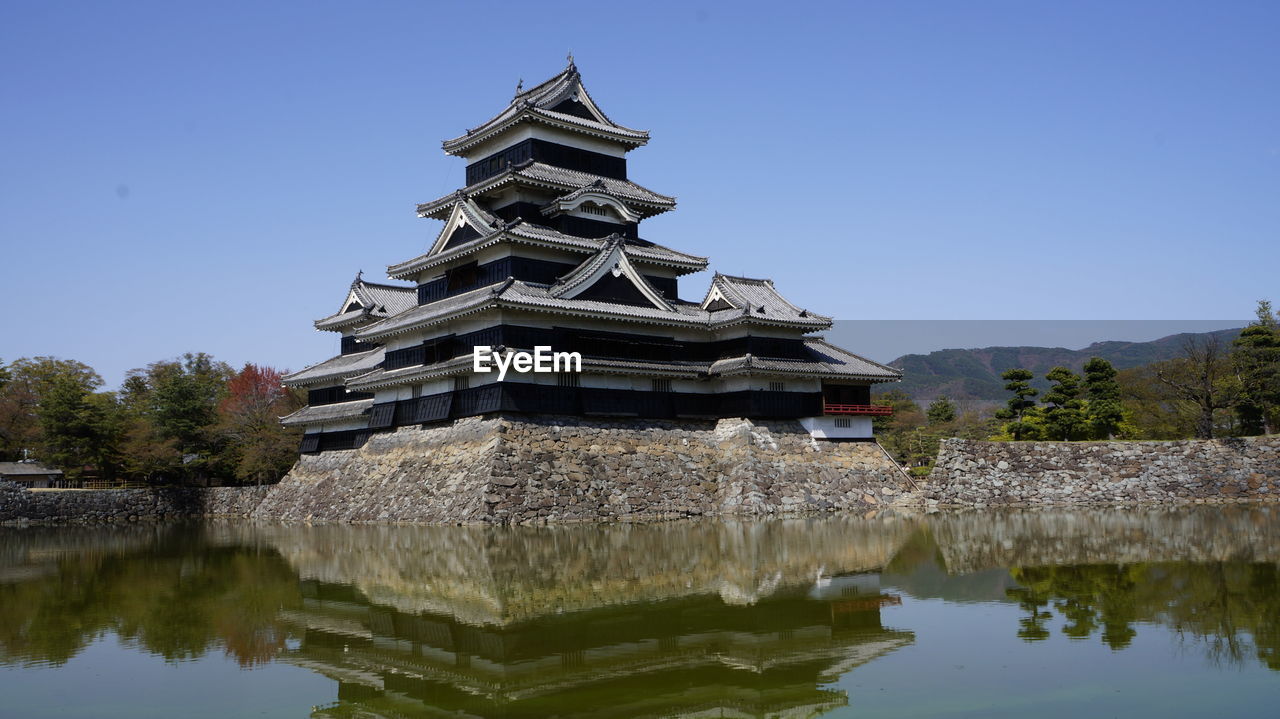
<point x="190" y="420"/>
<point x="1212" y="390"/>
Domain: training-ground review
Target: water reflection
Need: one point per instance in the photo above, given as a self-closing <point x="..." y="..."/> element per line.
<point x="747" y="618"/>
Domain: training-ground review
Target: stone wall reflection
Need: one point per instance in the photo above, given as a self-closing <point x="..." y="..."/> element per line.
<point x="671" y="619"/>
<point x="500" y="575"/>
<point x="973" y="541"/>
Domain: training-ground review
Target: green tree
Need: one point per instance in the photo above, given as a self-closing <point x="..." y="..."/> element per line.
<point x="941" y="410"/>
<point x="1065" y="414"/>
<point x="78" y="428"/>
<point x="28" y="380"/>
<point x="1105" y="410"/>
<point x="1256" y="359"/>
<point x="1203" y="376"/>
<point x="177" y="401"/>
<point x="1016" y="408"/>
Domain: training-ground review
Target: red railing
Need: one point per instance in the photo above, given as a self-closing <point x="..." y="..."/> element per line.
<point x="877" y="410"/>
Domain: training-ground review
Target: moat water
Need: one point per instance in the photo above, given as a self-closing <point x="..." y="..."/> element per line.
<point x="1101" y="613"/>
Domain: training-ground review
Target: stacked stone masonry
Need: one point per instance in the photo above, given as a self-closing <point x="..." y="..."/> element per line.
<point x="543" y="468"/>
<point x="503" y="470"/>
<point x="988" y="474"/>
<point x="18" y="504"/>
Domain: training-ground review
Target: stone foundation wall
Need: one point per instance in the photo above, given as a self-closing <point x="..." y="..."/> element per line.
<point x="18" y="504"/>
<point x="533" y="469"/>
<point x="979" y="474"/>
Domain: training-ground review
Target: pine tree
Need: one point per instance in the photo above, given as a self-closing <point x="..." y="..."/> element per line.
<point x="941" y="410"/>
<point x="1016" y="409"/>
<point x="1256" y="359"/>
<point x="1065" y="415"/>
<point x="1105" y="411"/>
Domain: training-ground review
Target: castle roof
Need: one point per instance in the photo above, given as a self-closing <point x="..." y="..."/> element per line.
<point x="826" y="360"/>
<point x="517" y="294"/>
<point x="367" y="301"/>
<point x="611" y="259"/>
<point x="328" y="413"/>
<point x="643" y="201"/>
<point x="336" y="368"/>
<point x="528" y="233"/>
<point x="562" y="102"/>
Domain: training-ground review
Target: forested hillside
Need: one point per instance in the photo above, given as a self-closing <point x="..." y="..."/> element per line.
<point x="974" y="374"/>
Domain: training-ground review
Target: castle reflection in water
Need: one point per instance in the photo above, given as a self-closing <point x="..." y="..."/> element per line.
<point x="671" y="619"/>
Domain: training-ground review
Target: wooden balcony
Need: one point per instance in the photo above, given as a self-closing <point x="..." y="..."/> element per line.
<point x="874" y="410"/>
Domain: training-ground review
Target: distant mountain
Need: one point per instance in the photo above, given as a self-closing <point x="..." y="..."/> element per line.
<point x="974" y="374"/>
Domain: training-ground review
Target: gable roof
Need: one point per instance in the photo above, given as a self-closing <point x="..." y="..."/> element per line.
<point x="611" y="259"/>
<point x="371" y="300"/>
<point x="545" y="103"/>
<point x="465" y="213"/>
<point x="756" y="296"/>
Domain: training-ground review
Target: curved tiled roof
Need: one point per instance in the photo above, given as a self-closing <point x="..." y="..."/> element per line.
<point x="328" y="412"/>
<point x="524" y="232"/>
<point x="759" y="297"/>
<point x="643" y="201"/>
<point x="336" y="368"/>
<point x="611" y="254"/>
<point x="827" y="360"/>
<point x="535" y="105"/>
<point x="376" y="301"/>
<point x="516" y="294"/>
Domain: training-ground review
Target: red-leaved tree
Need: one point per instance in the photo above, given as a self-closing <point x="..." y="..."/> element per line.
<point x="249" y="418"/>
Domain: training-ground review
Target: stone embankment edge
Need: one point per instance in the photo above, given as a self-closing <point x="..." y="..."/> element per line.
<point x="977" y="474"/>
<point x="19" y="505"/>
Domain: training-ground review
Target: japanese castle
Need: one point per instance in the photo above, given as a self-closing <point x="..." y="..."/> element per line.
<point x="543" y="248"/>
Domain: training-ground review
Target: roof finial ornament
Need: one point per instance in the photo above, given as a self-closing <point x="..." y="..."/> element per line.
<point x="520" y="86"/>
<point x="357" y="280"/>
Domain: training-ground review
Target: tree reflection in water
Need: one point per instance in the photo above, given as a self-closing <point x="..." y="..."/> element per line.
<point x="1232" y="609"/>
<point x="167" y="590"/>
<point x="627" y="620"/>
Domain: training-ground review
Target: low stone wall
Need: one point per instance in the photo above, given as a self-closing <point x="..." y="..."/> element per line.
<point x="979" y="474"/>
<point x="532" y="469"/>
<point x="18" y="504"/>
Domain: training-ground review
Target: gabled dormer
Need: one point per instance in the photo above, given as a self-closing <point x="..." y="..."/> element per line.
<point x="609" y="277"/>
<point x="466" y="221"/>
<point x="365" y="303"/>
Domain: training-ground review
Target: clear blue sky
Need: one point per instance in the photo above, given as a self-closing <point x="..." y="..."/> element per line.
<point x="209" y="176"/>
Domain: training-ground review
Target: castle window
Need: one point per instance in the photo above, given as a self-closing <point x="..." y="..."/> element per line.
<point x="777" y="386"/>
<point x="569" y="379"/>
<point x="661" y="385"/>
<point x="462" y="382"/>
<point x="591" y="209"/>
<point x="843" y="423"/>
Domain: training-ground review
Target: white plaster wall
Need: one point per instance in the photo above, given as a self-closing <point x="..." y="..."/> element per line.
<point x="825" y="427"/>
